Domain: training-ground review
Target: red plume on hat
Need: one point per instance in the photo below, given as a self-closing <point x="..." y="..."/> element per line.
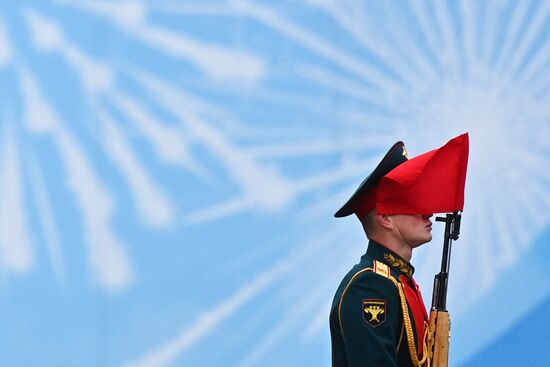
<point x="430" y="183"/>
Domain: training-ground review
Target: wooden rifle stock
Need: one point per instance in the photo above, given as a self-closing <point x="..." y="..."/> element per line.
<point x="438" y="336"/>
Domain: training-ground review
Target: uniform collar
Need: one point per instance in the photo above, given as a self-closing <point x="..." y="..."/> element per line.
<point x="381" y="253"/>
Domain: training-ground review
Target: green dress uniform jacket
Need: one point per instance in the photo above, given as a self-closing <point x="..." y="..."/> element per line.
<point x="378" y="316"/>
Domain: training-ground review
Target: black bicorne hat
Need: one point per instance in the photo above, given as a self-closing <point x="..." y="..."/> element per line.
<point x="359" y="201"/>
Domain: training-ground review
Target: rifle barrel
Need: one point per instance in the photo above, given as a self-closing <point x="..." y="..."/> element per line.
<point x="452" y="231"/>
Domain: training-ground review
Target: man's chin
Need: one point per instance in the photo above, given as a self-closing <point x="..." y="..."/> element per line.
<point x="424" y="240"/>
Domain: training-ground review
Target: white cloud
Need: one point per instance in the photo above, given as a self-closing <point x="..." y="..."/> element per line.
<point x="108" y="257"/>
<point x="354" y="17"/>
<point x="255" y="179"/>
<point x="168" y="140"/>
<point x="96" y="76"/>
<point x="16" y="252"/>
<point x="155" y="208"/>
<point x="48" y="35"/>
<point x="201" y="8"/>
<point x="309" y="184"/>
<point x="449" y="50"/>
<point x="47" y="219"/>
<point x="535" y="27"/>
<point x="295" y="32"/>
<point x="39" y="116"/>
<point x="220" y="210"/>
<point x="216" y="61"/>
<point x="513" y="28"/>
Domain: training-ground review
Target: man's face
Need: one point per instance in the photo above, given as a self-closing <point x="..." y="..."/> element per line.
<point x="414" y="229"/>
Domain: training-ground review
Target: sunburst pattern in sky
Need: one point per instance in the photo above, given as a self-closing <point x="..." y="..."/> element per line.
<point x="170" y="169"/>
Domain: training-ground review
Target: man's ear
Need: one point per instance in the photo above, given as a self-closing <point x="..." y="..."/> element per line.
<point x="384" y="220"/>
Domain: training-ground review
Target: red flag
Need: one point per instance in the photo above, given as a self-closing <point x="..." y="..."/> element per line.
<point x="430" y="183"/>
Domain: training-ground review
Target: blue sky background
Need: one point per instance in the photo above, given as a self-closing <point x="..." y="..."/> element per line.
<point x="169" y="171"/>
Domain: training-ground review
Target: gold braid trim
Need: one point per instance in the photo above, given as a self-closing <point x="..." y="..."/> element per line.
<point x="425" y="358"/>
<point x="408" y="326"/>
<point x="344" y="295"/>
<point x="379" y="268"/>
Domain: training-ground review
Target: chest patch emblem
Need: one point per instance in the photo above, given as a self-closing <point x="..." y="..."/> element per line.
<point x="374" y="311"/>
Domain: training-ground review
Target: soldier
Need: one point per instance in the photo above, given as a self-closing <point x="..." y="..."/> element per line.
<point x="378" y="316"/>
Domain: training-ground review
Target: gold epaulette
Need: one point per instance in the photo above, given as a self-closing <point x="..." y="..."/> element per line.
<point x="382" y="269"/>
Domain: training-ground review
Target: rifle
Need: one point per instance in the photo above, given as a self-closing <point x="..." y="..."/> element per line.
<point x="439" y="324"/>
